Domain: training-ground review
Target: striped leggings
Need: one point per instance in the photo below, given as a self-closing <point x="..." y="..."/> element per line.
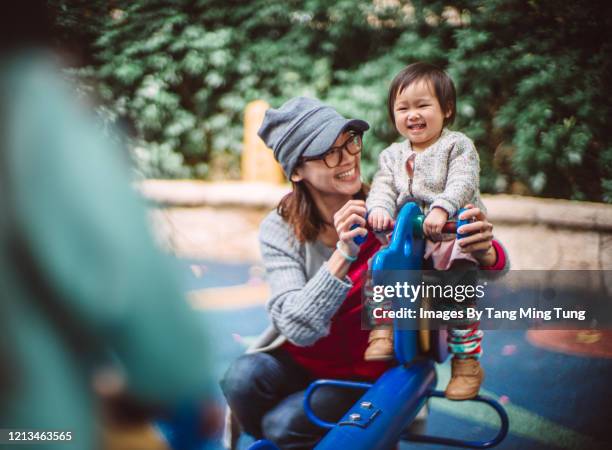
<point x="464" y="341"/>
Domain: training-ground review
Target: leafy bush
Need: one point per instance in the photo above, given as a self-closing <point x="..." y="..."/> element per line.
<point x="533" y="78"/>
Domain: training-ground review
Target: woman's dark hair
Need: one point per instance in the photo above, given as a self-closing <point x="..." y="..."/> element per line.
<point x="298" y="209"/>
<point x="443" y="86"/>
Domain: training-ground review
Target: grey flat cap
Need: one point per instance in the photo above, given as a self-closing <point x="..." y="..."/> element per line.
<point x="303" y="127"/>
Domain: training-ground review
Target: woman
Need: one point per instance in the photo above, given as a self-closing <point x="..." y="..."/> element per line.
<point x="316" y="273"/>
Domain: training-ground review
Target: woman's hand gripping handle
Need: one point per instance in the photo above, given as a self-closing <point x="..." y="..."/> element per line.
<point x="350" y="225"/>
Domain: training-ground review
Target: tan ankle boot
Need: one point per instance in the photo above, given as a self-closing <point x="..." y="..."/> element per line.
<point x="466" y="378"/>
<point x="380" y="345"/>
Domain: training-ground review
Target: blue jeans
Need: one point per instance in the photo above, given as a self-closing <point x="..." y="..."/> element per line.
<point x="266" y="393"/>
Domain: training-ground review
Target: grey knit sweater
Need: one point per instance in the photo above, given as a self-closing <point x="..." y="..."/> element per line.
<point x="446" y="175"/>
<point x="304" y="294"/>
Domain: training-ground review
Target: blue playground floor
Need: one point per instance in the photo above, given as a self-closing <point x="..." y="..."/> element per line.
<point x="554" y="400"/>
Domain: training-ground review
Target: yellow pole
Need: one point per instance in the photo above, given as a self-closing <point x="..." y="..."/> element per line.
<point x="258" y="163"/>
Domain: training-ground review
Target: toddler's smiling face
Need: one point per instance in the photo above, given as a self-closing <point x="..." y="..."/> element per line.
<point x="418" y="114"/>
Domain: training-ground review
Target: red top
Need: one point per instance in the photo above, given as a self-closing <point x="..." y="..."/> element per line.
<point x="339" y="355"/>
<point x="500" y="262"/>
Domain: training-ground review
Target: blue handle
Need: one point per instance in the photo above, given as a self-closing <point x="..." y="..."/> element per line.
<point x="460" y="223"/>
<point x="359" y="239"/>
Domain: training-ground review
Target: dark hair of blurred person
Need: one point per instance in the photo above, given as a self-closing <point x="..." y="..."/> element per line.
<point x="25" y="24"/>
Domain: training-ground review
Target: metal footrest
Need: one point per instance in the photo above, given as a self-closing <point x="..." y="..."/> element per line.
<point x="503" y="431"/>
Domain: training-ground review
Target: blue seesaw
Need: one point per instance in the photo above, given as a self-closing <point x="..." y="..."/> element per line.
<point x="380" y="418"/>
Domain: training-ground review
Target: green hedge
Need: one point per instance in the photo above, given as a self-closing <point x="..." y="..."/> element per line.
<point x="533" y="78"/>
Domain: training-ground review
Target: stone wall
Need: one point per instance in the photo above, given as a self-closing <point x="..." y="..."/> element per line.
<point x="220" y="221"/>
<point x="553" y="234"/>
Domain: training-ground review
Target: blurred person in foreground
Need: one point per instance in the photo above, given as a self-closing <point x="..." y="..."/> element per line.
<point x="83" y="291"/>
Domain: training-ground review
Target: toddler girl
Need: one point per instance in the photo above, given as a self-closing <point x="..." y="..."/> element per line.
<point x="439" y="169"/>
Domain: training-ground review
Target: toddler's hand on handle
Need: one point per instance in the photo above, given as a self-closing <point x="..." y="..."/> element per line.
<point x="380" y="220"/>
<point x="435" y="220"/>
<point x="353" y="212"/>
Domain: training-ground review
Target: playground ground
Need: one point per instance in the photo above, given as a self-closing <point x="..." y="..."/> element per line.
<point x="557" y="397"/>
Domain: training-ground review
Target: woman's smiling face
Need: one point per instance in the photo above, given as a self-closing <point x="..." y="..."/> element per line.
<point x="344" y="179"/>
<point x="418" y="114"/>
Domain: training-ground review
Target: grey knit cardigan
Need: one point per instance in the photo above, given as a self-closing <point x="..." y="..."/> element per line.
<point x="304" y="294"/>
<point x="446" y="175"/>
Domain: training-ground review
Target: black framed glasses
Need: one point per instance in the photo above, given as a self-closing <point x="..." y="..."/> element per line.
<point x="333" y="157"/>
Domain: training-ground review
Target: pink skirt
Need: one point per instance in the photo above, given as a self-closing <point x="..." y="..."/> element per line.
<point x="444" y="253"/>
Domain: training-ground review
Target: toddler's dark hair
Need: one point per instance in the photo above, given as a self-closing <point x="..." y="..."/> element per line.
<point x="444" y="88"/>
